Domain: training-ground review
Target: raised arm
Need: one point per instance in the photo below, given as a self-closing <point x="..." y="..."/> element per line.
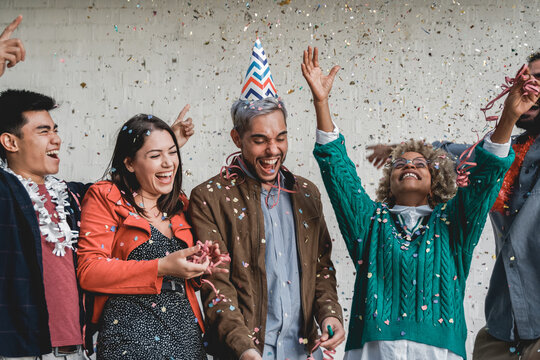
<point x="320" y="86"/>
<point x="352" y="205"/>
<point x="472" y="203"/>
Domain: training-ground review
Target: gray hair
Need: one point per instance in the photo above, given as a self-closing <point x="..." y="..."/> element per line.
<point x="243" y="111"/>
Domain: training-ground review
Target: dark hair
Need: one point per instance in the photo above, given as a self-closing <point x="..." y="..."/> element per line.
<point x="13" y="103"/>
<point x="242" y="111"/>
<point x="130" y="139"/>
<point x="533" y="57"/>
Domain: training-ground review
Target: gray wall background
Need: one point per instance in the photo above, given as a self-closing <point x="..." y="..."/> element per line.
<point x="417" y="69"/>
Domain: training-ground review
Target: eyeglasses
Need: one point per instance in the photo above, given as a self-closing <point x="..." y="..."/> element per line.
<point x="417" y="162"/>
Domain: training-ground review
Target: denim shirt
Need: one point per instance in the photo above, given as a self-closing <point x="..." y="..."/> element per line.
<point x="515" y="281"/>
<point x="284" y="317"/>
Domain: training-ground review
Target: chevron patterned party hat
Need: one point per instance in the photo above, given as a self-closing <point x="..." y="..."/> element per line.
<point x="258" y="83"/>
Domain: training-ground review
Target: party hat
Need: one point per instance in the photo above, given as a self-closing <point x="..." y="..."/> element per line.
<point x="258" y="83"/>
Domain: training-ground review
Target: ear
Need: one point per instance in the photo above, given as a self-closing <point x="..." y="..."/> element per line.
<point x="236" y="138"/>
<point x="10" y="142"/>
<point x="128" y="163"/>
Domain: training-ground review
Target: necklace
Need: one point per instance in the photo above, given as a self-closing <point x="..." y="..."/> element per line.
<point x="151" y="216"/>
<point x="52" y="232"/>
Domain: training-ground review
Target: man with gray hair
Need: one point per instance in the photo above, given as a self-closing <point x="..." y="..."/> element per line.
<point x="281" y="281"/>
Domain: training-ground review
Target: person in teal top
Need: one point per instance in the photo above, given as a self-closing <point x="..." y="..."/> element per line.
<point x="412" y="248"/>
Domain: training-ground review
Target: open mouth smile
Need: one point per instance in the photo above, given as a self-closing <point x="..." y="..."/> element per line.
<point x="52" y="153"/>
<point x="268" y="165"/>
<point x="165" y="177"/>
<point x="408" y="175"/>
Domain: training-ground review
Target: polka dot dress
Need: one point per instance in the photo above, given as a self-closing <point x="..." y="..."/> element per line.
<point x="158" y="326"/>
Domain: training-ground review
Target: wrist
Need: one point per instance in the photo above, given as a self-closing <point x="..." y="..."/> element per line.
<point x="509" y="116"/>
<point x="161" y="267"/>
<point x="320" y="102"/>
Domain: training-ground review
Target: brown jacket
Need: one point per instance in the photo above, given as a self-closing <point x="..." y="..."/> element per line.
<point x="230" y="212"/>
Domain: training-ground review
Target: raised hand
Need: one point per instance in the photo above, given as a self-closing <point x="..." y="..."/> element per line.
<point x="320" y="84"/>
<point x="11" y="50"/>
<point x="522" y="95"/>
<point x="183" y="129"/>
<point x="379" y="155"/>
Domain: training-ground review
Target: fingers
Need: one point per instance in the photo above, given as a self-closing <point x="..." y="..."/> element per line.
<point x="380" y="163"/>
<point x="316" y="57"/>
<point x="304" y="60"/>
<point x="11" y="60"/>
<point x="183" y="113"/>
<point x="331" y="343"/>
<point x="194" y="270"/>
<point x="15" y="51"/>
<point x="188" y="127"/>
<point x="333" y="73"/>
<point x="11" y="28"/>
<point x="189" y="251"/>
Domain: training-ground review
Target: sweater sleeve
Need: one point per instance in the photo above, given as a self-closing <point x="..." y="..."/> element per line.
<point x="224" y="319"/>
<point x="351" y="203"/>
<point x="468" y="210"/>
<point x="97" y="270"/>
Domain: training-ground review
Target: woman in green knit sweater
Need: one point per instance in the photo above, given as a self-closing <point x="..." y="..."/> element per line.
<point x="412" y="248"/>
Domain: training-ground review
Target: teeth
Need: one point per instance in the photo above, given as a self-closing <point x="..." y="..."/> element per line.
<point x="52" y="152"/>
<point x="165" y="174"/>
<point x="269" y="162"/>
<point x="410" y="175"/>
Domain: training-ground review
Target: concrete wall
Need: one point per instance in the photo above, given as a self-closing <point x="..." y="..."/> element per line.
<point x="410" y="69"/>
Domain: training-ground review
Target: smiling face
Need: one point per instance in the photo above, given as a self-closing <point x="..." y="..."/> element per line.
<point x="264" y="146"/>
<point x="410" y="184"/>
<point x="155" y="164"/>
<point x="34" y="154"/>
<point x="531" y="119"/>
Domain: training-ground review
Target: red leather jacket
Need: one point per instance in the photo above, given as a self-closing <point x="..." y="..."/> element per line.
<point x="110" y="230"/>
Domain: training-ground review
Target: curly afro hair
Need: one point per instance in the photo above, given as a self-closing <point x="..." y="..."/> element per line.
<point x="442" y="169"/>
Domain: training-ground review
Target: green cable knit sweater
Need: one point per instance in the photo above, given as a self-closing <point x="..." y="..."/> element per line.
<point x="409" y="290"/>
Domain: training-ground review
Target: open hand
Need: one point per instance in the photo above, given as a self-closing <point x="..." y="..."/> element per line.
<point x="183" y="129"/>
<point x="320" y="84"/>
<point x="380" y="154"/>
<point x="11" y="50"/>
